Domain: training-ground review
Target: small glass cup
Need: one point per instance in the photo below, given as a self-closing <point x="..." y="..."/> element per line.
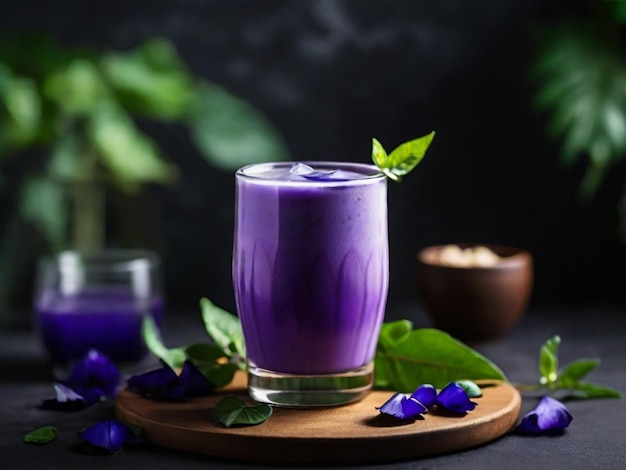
<point x="310" y="273"/>
<point x="97" y="301"/>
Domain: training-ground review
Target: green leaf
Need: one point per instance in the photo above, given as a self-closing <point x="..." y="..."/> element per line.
<point x="231" y="411"/>
<point x="379" y="154"/>
<point x="41" y="435"/>
<point x="220" y="374"/>
<point x="78" y="88"/>
<point x="472" y="390"/>
<point x="66" y="158"/>
<point x="586" y="390"/>
<point x="393" y="332"/>
<point x="576" y="370"/>
<point x="231" y="133"/>
<point x="174" y="357"/>
<point x="43" y="203"/>
<point x="23" y="105"/>
<point x="20" y="110"/>
<point x="549" y="361"/>
<point x="581" y="76"/>
<point x="203" y="352"/>
<point x="224" y="328"/>
<point x="429" y="355"/>
<point x="131" y="156"/>
<point x="403" y="159"/>
<point x="151" y="80"/>
<point x="210" y="360"/>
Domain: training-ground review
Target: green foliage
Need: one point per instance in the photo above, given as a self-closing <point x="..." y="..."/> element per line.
<point x="580" y="73"/>
<point x="549" y="360"/>
<point x="568" y="379"/>
<point x="230" y="131"/>
<point x="77" y="111"/>
<point x="405" y="359"/>
<point x="217" y="361"/>
<point x="210" y="360"/>
<point x="173" y="357"/>
<point x="403" y="159"/>
<point x="41" y="435"/>
<point x="231" y="411"/>
<point x="582" y="76"/>
<point x="224" y="328"/>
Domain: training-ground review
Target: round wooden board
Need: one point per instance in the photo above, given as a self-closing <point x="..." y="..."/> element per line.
<point x="355" y="433"/>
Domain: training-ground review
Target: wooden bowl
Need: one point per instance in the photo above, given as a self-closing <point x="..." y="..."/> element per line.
<point x="475" y="303"/>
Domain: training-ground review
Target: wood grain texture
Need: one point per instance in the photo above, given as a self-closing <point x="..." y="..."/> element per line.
<point x="355" y="433"/>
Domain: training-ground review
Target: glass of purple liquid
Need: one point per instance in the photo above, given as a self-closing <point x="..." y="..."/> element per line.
<point x="97" y="300"/>
<point x="311" y="274"/>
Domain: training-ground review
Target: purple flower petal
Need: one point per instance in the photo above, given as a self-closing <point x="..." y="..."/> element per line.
<point x="426" y="394"/>
<point x="402" y="407"/>
<point x="549" y="417"/>
<point x="413" y="408"/>
<point x="65" y="394"/>
<point x="94" y="377"/>
<point x="159" y="384"/>
<point x="108" y="434"/>
<point x="65" y="399"/>
<point x="453" y="398"/>
<point x="195" y="382"/>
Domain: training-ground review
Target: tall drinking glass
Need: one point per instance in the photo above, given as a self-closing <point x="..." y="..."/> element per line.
<point x="97" y="300"/>
<point x="311" y="273"/>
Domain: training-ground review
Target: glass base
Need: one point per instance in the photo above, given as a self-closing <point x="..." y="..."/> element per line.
<point x="309" y="391"/>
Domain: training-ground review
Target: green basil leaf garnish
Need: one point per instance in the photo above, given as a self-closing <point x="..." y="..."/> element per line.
<point x="403" y="159"/>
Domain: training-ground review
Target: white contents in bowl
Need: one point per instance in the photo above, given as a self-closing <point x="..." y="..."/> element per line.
<point x="474" y="256"/>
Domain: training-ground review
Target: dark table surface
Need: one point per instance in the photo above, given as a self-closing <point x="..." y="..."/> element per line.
<point x="595" y="439"/>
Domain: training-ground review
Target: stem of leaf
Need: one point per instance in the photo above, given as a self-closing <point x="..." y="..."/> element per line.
<point x="88" y="225"/>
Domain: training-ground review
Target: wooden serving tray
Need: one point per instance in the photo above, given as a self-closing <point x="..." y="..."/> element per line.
<point x="354" y="433"/>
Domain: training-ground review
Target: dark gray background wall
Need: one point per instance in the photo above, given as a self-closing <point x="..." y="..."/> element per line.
<point x="331" y="74"/>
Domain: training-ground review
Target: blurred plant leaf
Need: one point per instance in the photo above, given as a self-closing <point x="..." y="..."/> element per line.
<point x="34" y="54"/>
<point x="42" y="202"/>
<point x="151" y="80"/>
<point x="78" y="88"/>
<point x="20" y="109"/>
<point x="65" y="160"/>
<point x="132" y="157"/>
<point x="582" y="77"/>
<point x="617" y="9"/>
<point x="231" y="133"/>
<point x="77" y="106"/>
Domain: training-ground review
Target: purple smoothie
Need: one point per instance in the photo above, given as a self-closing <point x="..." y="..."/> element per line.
<point x="310" y="266"/>
<point x="108" y="318"/>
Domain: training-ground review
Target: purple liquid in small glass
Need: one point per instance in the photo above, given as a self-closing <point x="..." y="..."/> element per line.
<point x="310" y="266"/>
<point x="107" y="318"/>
